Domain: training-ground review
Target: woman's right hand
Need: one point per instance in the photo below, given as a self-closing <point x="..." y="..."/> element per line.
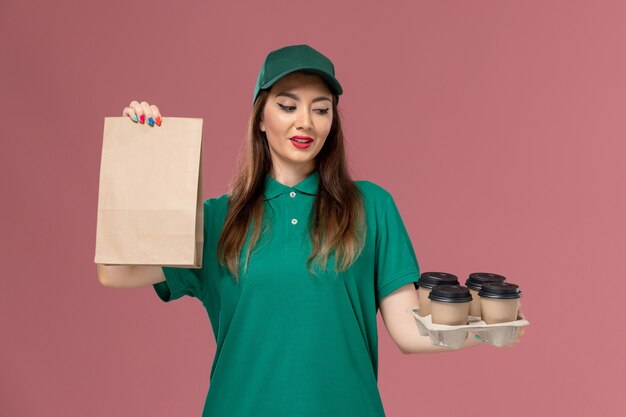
<point x="143" y="112"/>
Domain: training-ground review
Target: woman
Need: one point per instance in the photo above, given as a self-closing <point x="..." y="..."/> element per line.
<point x="298" y="258"/>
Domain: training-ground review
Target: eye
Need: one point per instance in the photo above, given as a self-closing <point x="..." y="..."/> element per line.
<point x="286" y="108"/>
<point x="289" y="109"/>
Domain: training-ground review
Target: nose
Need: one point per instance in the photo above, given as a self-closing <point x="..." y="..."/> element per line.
<point x="303" y="119"/>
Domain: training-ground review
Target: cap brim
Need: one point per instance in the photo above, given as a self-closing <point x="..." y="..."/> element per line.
<point x="334" y="84"/>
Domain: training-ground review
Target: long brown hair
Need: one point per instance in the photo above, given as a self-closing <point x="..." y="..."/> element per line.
<point x="337" y="222"/>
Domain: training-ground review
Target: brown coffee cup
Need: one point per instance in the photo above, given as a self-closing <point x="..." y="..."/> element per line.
<point x="449" y="304"/>
<point x="426" y="282"/>
<point x="474" y="283"/>
<point x="499" y="302"/>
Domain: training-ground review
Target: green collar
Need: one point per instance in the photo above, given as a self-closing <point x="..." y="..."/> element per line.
<point x="274" y="188"/>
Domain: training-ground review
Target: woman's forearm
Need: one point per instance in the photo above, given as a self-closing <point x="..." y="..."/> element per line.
<point x="422" y="344"/>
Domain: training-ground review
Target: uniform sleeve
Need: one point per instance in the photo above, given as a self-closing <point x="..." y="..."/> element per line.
<point x="179" y="282"/>
<point x="395" y="264"/>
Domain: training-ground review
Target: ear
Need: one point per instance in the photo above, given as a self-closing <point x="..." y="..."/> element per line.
<point x="262" y="125"/>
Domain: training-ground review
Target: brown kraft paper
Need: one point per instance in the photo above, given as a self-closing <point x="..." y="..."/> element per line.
<point x="150" y="205"/>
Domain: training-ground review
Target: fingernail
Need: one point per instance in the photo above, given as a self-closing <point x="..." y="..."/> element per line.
<point x="142" y="118"/>
<point x="150" y="121"/>
<point x="158" y="120"/>
<point x="477" y="337"/>
<point x="135" y="118"/>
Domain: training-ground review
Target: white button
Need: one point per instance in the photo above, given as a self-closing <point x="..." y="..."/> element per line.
<point x="294" y="221"/>
<point x="292" y="194"/>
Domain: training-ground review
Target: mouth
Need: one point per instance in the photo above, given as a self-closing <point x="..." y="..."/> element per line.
<point x="301" y="139"/>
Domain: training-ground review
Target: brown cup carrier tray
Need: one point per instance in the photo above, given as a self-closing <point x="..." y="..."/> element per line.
<point x="498" y="334"/>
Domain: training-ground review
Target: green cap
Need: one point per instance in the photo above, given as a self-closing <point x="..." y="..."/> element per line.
<point x="283" y="61"/>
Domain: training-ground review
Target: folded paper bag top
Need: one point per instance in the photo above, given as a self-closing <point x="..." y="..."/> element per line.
<point x="150" y="204"/>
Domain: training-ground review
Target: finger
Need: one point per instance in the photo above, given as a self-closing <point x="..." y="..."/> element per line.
<point x="138" y="111"/>
<point x="130" y="112"/>
<point x="148" y="113"/>
<point x="157" y="114"/>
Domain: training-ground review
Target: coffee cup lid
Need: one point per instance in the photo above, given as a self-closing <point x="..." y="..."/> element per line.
<point x="430" y="279"/>
<point x="450" y="294"/>
<point x="501" y="290"/>
<point x="477" y="279"/>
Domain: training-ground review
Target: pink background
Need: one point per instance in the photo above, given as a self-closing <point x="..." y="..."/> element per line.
<point x="498" y="126"/>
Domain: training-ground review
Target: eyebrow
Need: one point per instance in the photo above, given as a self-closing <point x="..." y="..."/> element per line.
<point x="295" y="97"/>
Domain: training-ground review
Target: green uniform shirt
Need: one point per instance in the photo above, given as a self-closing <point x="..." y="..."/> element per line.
<point x="290" y="344"/>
